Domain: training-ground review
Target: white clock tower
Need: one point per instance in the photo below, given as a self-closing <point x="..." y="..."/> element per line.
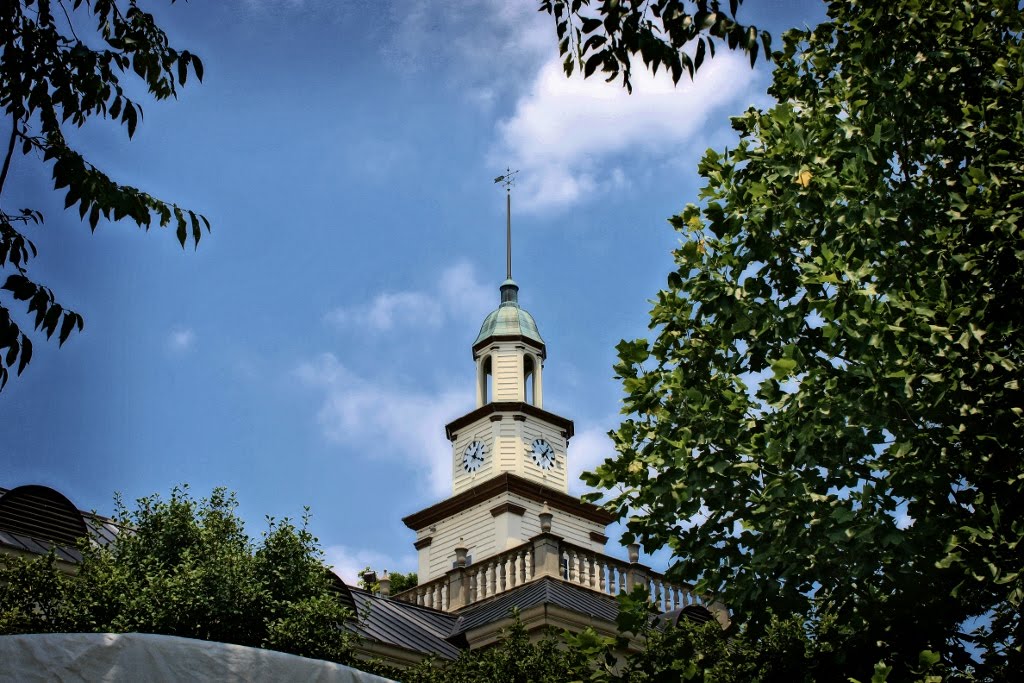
<point x="509" y="431"/>
<point x="508" y="454"/>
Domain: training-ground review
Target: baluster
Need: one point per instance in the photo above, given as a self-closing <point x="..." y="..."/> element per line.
<point x="528" y="566"/>
<point x="479" y="583"/>
<point x="581" y="572"/>
<point x="602" y="567"/>
<point x="510" y="574"/>
<point x="589" y="564"/>
<point x="492" y="578"/>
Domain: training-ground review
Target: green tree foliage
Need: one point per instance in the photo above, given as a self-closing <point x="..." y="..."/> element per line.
<point x="399" y="581"/>
<point x="61" y="65"/>
<point x="514" y="659"/>
<point x="828" y="421"/>
<point x="403" y="582"/>
<point x="606" y="34"/>
<point x="649" y="650"/>
<point x="186" y="568"/>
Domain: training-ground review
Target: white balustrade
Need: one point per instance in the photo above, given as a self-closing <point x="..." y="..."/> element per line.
<point x="579" y="566"/>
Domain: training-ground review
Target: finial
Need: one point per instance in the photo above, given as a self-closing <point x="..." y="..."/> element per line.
<point x="508" y="180"/>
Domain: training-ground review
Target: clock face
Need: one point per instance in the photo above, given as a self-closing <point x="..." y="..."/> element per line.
<point x="543" y="454"/>
<point x="473" y="456"/>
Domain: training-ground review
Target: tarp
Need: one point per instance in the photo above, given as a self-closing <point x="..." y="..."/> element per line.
<point x="134" y="657"/>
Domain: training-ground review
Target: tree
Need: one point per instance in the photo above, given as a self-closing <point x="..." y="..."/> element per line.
<point x="186" y="568"/>
<point x="827" y="423"/>
<point x="610" y="33"/>
<point x="403" y="582"/>
<point x="646" y="649"/>
<point x="399" y="581"/>
<point x="513" y="659"/>
<point x="51" y="78"/>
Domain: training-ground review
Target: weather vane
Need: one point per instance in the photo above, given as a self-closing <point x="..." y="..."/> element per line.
<point x="508" y="180"/>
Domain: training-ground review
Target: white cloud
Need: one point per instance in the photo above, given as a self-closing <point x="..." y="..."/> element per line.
<point x="588" y="448"/>
<point x="472" y="44"/>
<point x="565" y="134"/>
<point x="181" y="340"/>
<point x="402" y="423"/>
<point x="458" y="295"/>
<point x="349" y="562"/>
<point x="464" y="296"/>
<point x="410" y="308"/>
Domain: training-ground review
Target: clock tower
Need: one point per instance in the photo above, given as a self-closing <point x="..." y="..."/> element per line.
<point x="509" y="431"/>
<point x="509" y="454"/>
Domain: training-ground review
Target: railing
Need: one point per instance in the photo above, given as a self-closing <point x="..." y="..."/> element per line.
<point x="608" y="575"/>
<point x="488" y="578"/>
<point x="500" y="573"/>
<point x="548" y="555"/>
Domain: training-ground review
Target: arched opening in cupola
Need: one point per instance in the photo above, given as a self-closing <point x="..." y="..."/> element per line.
<point x="483" y="381"/>
<point x="532" y="367"/>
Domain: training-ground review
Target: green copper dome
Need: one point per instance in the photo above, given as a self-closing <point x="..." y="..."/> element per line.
<point x="509" y="319"/>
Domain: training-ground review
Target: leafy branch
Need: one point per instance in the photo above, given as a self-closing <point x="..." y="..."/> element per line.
<point x="48" y="79"/>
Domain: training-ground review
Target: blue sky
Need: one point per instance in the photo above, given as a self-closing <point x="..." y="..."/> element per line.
<point x="313" y="347"/>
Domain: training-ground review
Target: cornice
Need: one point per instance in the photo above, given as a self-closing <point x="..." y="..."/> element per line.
<point x="495" y="410"/>
<point x="507" y="483"/>
<point x="532" y="343"/>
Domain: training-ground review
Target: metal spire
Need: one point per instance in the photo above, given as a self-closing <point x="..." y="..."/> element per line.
<point x="508" y="180"/>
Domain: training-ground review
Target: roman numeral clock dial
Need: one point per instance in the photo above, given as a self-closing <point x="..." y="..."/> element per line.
<point x="473" y="456"/>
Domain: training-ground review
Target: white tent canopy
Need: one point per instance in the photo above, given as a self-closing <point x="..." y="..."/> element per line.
<point x="146" y="657"/>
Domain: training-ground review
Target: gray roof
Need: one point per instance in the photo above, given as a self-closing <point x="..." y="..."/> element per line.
<point x="509" y="319"/>
<point x="35" y="519"/>
<point x="431" y="632"/>
<point x="407" y="626"/>
<point x="545" y="590"/>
